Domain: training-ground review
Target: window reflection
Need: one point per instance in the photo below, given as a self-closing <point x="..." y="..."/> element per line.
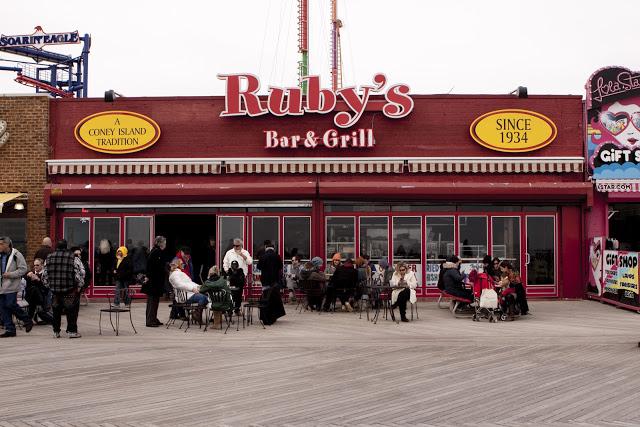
<point x="340" y="236"/>
<point x="406" y="238"/>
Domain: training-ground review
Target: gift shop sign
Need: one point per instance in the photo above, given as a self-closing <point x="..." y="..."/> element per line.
<point x="513" y="131"/>
<point x="241" y="99"/>
<point x="117" y="132"/>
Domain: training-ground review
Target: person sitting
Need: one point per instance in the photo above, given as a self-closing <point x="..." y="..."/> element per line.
<point x="512" y="289"/>
<point x="344" y="281"/>
<point x="452" y="279"/>
<point x="330" y="290"/>
<point x="293" y="275"/>
<point x="37" y="294"/>
<point x="180" y="281"/>
<point x="404" y="283"/>
<point x="385" y="271"/>
<point x="313" y="281"/>
<point x="215" y="282"/>
<point x="237" y="280"/>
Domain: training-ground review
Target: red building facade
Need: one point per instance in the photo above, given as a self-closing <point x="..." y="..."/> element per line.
<point x="424" y="190"/>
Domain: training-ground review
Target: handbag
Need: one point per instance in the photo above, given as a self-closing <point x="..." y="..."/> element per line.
<point x="488" y="299"/>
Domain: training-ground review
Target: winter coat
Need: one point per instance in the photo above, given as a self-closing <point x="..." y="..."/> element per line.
<point x="412" y="282"/>
<point x="124" y="271"/>
<point x="451" y="278"/>
<point x="312" y="281"/>
<point x="180" y="281"/>
<point x="16" y="267"/>
<point x="232" y="255"/>
<point x="156" y="272"/>
<point x="345" y="277"/>
<point x="236" y="278"/>
<point x="270" y="266"/>
<point x="218" y="285"/>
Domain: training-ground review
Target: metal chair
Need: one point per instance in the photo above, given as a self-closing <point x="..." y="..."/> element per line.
<point x="180" y="302"/>
<point x="254" y="296"/>
<point x="221" y="302"/>
<point x="126" y="294"/>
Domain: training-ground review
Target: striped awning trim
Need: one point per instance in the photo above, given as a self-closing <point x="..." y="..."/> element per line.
<point x="497" y="165"/>
<point x="344" y="165"/>
<point x="133" y="167"/>
<point x="618" y="185"/>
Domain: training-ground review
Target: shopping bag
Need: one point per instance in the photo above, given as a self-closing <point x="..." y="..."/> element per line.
<point x="488" y="299"/>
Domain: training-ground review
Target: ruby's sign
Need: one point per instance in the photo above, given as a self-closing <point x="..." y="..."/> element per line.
<point x="242" y="99"/>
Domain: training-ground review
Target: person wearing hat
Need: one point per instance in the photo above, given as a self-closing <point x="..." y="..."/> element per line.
<point x="313" y="281"/>
<point x="236" y="278"/>
<point x="452" y="279"/>
<point x="123" y="274"/>
<point x="330" y="291"/>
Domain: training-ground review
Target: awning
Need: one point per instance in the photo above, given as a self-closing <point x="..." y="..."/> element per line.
<point x="618" y="185"/>
<point x="310" y="165"/>
<point x="134" y="167"/>
<point x="497" y="164"/>
<point x="7" y="197"/>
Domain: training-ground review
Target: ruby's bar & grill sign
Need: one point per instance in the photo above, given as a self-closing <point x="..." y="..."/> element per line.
<point x="241" y="99"/>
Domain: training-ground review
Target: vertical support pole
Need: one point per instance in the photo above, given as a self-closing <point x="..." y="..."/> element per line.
<point x="85" y="65"/>
<point x="303" y="43"/>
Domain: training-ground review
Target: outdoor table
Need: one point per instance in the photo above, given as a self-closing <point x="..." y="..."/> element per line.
<point x="377" y="293"/>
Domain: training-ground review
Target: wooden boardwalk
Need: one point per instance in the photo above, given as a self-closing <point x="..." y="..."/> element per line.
<point x="572" y="363"/>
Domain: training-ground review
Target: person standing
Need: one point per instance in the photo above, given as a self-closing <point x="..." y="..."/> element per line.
<point x="123" y="274"/>
<point x="45" y="249"/>
<point x="237" y="253"/>
<point x="270" y="266"/>
<point x="12" y="268"/>
<point x="64" y="274"/>
<point x="157" y="274"/>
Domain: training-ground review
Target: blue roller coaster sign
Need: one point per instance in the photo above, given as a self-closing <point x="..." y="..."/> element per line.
<point x="39" y="39"/>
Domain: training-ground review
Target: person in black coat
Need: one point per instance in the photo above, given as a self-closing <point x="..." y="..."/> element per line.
<point x="452" y="279"/>
<point x="236" y="278"/>
<point x="344" y="281"/>
<point x="123" y="275"/>
<point x="154" y="286"/>
<point x="270" y="266"/>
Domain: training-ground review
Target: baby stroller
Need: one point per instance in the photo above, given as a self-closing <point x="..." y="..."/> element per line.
<point x="485" y="307"/>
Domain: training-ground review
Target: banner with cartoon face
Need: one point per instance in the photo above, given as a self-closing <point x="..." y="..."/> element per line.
<point x="613" y="123"/>
<point x="595" y="262"/>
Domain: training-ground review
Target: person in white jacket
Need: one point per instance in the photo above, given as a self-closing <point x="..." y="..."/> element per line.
<point x="404" y="282"/>
<point x="181" y="281"/>
<point x="237" y="253"/>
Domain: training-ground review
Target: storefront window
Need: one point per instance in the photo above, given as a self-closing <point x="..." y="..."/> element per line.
<point x="16" y="230"/>
<point x="440" y="244"/>
<point x="406" y="238"/>
<point x="623" y="221"/>
<point x="264" y="228"/>
<point x="137" y="236"/>
<point x="341" y="236"/>
<point x="473" y="241"/>
<point x="374" y="237"/>
<point x="297" y="237"/>
<point x="76" y="232"/>
<point x="229" y="228"/>
<point x="106" y="237"/>
<point x="505" y="243"/>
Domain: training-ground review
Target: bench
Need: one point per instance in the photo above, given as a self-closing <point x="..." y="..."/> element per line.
<point x="454" y="303"/>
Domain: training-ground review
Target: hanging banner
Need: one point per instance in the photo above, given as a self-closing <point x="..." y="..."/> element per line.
<point x="595" y="265"/>
<point x="620" y="277"/>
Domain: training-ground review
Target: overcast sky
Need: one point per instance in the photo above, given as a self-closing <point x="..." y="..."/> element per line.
<point x="173" y="48"/>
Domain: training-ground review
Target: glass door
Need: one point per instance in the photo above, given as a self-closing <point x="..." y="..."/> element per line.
<point x="440" y="236"/>
<point x="106" y="240"/>
<point x="407" y="243"/>
<point x="472" y="237"/>
<point x="229" y="228"/>
<point x="541" y="251"/>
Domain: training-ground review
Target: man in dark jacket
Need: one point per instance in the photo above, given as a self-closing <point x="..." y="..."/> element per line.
<point x="270" y="266"/>
<point x="154" y="286"/>
<point x="64" y="274"/>
<point x="452" y="279"/>
<point x="312" y="281"/>
<point x="236" y="278"/>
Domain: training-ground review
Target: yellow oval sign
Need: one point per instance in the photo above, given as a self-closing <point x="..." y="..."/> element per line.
<point x="513" y="131"/>
<point x="117" y="132"/>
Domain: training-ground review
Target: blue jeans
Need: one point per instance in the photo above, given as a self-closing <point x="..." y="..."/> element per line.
<point x="8" y="307"/>
<point x="199" y="299"/>
<point x="121" y="289"/>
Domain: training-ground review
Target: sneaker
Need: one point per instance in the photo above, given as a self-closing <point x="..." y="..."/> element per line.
<point x="74" y="335"/>
<point x="56" y="334"/>
<point x="28" y="327"/>
<point x="8" y="334"/>
<point x="404" y="319"/>
<point x="115" y="305"/>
